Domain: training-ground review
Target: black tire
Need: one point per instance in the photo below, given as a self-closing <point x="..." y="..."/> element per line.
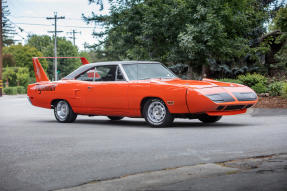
<point x="209" y="119"/>
<point x="165" y="117"/>
<point x="66" y="117"/>
<point x="115" y="118"/>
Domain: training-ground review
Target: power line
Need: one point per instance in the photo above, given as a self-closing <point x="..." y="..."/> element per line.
<point x="33" y="24"/>
<point x="19" y="28"/>
<point x="29" y="17"/>
<point x="68" y="26"/>
<point x="33" y="17"/>
<point x="76" y="27"/>
<point x="55" y="18"/>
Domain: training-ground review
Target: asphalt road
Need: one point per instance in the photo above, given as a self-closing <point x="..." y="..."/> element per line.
<point x="38" y="153"/>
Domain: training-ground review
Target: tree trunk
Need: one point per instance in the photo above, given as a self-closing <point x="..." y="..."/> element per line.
<point x="7" y="83"/>
<point x="189" y="74"/>
<point x="204" y="71"/>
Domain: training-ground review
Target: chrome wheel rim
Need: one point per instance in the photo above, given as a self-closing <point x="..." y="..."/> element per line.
<point x="62" y="110"/>
<point x="156" y="112"/>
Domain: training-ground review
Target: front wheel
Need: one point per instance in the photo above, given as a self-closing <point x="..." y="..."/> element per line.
<point x="64" y="113"/>
<point x="209" y="119"/>
<point x="156" y="113"/>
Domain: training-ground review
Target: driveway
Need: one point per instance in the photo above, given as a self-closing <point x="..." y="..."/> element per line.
<point x="38" y="153"/>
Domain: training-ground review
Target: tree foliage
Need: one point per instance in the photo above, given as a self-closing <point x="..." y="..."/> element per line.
<point x="39" y="42"/>
<point x="16" y="76"/>
<point x="8" y="60"/>
<point x="65" y="48"/>
<point x="275" y="44"/>
<point x="220" y="31"/>
<point x="217" y="33"/>
<point x="281" y="24"/>
<point x="22" y="56"/>
<point x="8" y="30"/>
<point x="280" y="21"/>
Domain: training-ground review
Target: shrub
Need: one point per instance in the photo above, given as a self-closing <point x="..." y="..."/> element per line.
<point x="21" y="90"/>
<point x="259" y="88"/>
<point x="230" y="80"/>
<point x="252" y="79"/>
<point x="10" y="90"/>
<point x="284" y="90"/>
<point x="275" y="88"/>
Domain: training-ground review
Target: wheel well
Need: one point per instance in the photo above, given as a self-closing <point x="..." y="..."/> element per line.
<point x="144" y="100"/>
<point x="54" y="102"/>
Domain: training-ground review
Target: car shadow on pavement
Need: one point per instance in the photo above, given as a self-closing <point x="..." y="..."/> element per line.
<point x="209" y="125"/>
<point x="143" y="124"/>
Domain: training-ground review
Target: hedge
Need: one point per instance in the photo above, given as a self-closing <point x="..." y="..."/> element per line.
<point x="15" y="90"/>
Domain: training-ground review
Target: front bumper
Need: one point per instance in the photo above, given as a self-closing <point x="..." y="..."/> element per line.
<point x="221" y="100"/>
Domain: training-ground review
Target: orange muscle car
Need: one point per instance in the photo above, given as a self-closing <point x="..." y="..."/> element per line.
<point x="137" y="89"/>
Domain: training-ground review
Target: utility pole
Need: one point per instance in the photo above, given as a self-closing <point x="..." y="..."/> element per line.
<point x="1" y="42"/>
<point x="74" y="36"/>
<point x="55" y="43"/>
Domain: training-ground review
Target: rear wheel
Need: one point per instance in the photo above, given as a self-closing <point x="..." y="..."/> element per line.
<point x="64" y="113"/>
<point x="156" y="113"/>
<point x="115" y="118"/>
<point x="209" y="119"/>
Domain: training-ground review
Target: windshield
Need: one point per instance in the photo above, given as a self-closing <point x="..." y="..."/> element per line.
<point x="147" y="71"/>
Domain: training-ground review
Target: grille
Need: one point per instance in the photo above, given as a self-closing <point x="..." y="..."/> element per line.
<point x="220" y="107"/>
<point x="234" y="107"/>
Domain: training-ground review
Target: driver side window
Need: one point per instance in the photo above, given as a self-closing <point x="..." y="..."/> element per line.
<point x="88" y="75"/>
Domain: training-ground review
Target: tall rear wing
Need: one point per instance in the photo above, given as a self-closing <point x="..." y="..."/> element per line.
<point x="39" y="71"/>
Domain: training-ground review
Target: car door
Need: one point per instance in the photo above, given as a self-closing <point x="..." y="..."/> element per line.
<point x="79" y="91"/>
<point x="107" y="93"/>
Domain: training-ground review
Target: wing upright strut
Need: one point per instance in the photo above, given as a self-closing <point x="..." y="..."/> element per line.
<point x="39" y="71"/>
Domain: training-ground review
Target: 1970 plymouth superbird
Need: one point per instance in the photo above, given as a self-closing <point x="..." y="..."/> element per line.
<point x="136" y="89"/>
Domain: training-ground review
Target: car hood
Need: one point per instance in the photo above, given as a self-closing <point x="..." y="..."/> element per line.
<point x="205" y="83"/>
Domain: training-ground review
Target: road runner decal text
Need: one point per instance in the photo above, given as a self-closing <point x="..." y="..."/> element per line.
<point x="40" y="88"/>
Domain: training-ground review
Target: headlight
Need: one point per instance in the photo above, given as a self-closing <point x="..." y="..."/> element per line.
<point x="215" y="97"/>
<point x="220" y="97"/>
<point x="245" y="96"/>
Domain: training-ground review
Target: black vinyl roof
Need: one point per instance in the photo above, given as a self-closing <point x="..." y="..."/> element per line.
<point x="85" y="67"/>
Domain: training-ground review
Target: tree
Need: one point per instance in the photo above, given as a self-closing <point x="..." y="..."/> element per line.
<point x="221" y="32"/>
<point x="87" y="55"/>
<point x="39" y="42"/>
<point x="22" y="55"/>
<point x="277" y="43"/>
<point x="9" y="76"/>
<point x="16" y="76"/>
<point x="196" y="32"/>
<point x="8" y="30"/>
<point x="8" y="60"/>
<point x="65" y="48"/>
<point x="22" y="76"/>
<point x="280" y="21"/>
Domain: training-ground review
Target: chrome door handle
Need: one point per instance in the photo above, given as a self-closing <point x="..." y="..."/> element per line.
<point x="90" y="87"/>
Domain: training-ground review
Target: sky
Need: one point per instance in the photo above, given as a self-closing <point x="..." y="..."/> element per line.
<point x="30" y="15"/>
